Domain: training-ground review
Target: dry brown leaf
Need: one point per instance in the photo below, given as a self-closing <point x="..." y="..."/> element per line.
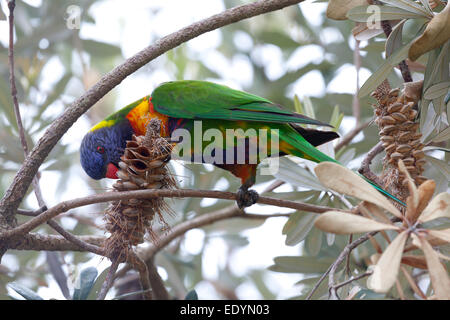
<point x="343" y="180"/>
<point x="375" y="211"/>
<point x="415" y="261"/>
<point x="438" y="207"/>
<point x="441" y="234"/>
<point x="347" y="223"/>
<point x="438" y="274"/>
<point x="424" y="195"/>
<point x="413" y="90"/>
<point x="413" y="193"/>
<point x="337" y="9"/>
<point x="386" y="270"/>
<point x="436" y="34"/>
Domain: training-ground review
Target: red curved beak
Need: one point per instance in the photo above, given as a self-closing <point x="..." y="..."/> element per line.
<point x="111" y="171"/>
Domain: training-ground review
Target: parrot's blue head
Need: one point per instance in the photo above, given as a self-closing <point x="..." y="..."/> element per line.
<point x="102" y="148"/>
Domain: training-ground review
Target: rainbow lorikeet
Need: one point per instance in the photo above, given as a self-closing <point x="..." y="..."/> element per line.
<point x="182" y="105"/>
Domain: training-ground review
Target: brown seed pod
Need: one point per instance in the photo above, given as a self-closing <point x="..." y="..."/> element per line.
<point x="396" y="117"/>
<point x="403" y="148"/>
<point x="394" y="107"/>
<point x="142" y="166"/>
<point x="418" y="154"/>
<point x="399" y="117"/>
<point x="386" y="120"/>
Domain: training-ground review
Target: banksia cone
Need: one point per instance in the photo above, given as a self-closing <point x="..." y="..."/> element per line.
<point x="142" y="166"/>
<point x="396" y="113"/>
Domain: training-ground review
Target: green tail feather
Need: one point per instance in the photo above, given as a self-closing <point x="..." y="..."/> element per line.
<point x="305" y="150"/>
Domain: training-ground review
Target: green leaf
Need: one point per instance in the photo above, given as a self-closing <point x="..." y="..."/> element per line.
<point x="296" y="175"/>
<point x="24" y="291"/>
<point x="294" y="264"/>
<point x="365" y="14"/>
<point x="378" y="76"/>
<point x="336" y="118"/>
<point x="428" y="148"/>
<point x="347" y="156"/>
<point x="314" y="242"/>
<point x="394" y="41"/>
<point x="191" y="295"/>
<point x="410" y="6"/>
<point x="97" y="285"/>
<point x="84" y="283"/>
<point x="441" y="165"/>
<point x="101" y="49"/>
<point x="298" y="226"/>
<point x="437" y="90"/>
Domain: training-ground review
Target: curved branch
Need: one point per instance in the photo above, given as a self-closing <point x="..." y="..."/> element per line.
<point x="149" y="193"/>
<point x="22" y="180"/>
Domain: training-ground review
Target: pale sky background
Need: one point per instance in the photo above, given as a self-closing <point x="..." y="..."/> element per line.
<point x="114" y="25"/>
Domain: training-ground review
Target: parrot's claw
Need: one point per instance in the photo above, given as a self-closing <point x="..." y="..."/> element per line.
<point x="246" y="198"/>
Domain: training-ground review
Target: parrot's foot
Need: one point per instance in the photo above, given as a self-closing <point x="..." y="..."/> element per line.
<point x="246" y="198"/>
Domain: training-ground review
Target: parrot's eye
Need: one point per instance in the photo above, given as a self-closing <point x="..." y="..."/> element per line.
<point x="100" y="149"/>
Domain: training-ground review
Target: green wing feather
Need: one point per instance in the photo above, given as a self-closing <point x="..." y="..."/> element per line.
<point x="191" y="99"/>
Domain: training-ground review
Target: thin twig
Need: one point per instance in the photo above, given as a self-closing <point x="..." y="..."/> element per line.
<point x="67" y="235"/>
<point x="347" y="250"/>
<point x="53" y="259"/>
<point x="365" y="165"/>
<point x="159" y="291"/>
<point x="12" y="81"/>
<point x="109" y="279"/>
<point x="316" y="286"/>
<point x="340" y="285"/>
<point x="144" y="278"/>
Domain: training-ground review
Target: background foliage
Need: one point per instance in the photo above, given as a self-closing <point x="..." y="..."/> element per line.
<point x="268" y="55"/>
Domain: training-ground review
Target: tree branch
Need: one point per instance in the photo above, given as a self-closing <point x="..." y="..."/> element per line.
<point x="149" y="193"/>
<point x="365" y="165"/>
<point x="22" y="180"/>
